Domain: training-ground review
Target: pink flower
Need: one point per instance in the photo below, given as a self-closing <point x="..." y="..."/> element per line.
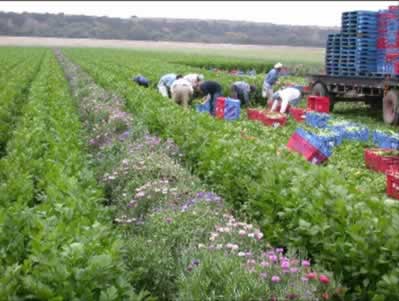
<point x="242" y="232"/>
<point x="273" y="258"/>
<point x="258" y="235"/>
<point x="276" y="279"/>
<point x="294" y="270"/>
<point x="251" y="261"/>
<point x="311" y="275"/>
<point x="324" y="279"/>
<point x="305" y="263"/>
<point x="264" y="264"/>
<point x="285" y="264"/>
<point x="279" y="250"/>
<point x="263" y="275"/>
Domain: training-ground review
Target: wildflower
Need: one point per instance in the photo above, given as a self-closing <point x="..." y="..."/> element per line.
<point x="201" y="246"/>
<point x="251" y="235"/>
<point x="140" y="194"/>
<point x="251" y="261"/>
<point x="132" y="203"/>
<point x="324" y="279"/>
<point x="258" y="235"/>
<point x="241" y="254"/>
<point x="304" y="279"/>
<point x="279" y="250"/>
<point x="195" y="262"/>
<point x="242" y="232"/>
<point x="264" y="264"/>
<point x="305" y="263"/>
<point x="219" y="246"/>
<point x="294" y="270"/>
<point x="263" y="275"/>
<point x="168" y="220"/>
<point x="285" y="264"/>
<point x="248" y="254"/>
<point x="276" y="279"/>
<point x="273" y="258"/>
<point x="311" y="275"/>
<point x="326" y="296"/>
<point x="234" y="247"/>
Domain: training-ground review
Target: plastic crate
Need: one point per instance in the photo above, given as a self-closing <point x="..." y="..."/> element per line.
<point x="203" y="107"/>
<point x="393" y="183"/>
<point x="319" y="103"/>
<point x="380" y="162"/>
<point x="317" y="120"/>
<point x="269" y="105"/>
<point x="307" y="150"/>
<point x="298" y="114"/>
<point x="384" y="140"/>
<point x="265" y="118"/>
<point x="227" y="108"/>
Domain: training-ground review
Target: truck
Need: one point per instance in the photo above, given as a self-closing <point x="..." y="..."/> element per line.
<point x="377" y="92"/>
<point x="359" y="64"/>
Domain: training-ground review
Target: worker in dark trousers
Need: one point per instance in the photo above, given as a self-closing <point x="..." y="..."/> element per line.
<point x="241" y="90"/>
<point x="211" y="90"/>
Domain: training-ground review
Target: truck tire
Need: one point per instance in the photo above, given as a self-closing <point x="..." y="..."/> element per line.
<point x="391" y="107"/>
<point x="320" y="90"/>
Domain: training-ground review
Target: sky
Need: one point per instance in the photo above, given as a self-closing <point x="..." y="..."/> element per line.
<point x="320" y="13"/>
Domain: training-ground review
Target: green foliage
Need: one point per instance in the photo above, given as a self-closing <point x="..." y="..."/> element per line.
<point x="55" y="238"/>
<point x="341" y="221"/>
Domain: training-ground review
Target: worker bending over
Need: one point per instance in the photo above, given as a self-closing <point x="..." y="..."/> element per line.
<point x="166" y="82"/>
<point x="194" y="79"/>
<point x="211" y="90"/>
<point x="141" y="81"/>
<point x="182" y="91"/>
<point x="270" y="79"/>
<point x="241" y="90"/>
<point x="289" y="95"/>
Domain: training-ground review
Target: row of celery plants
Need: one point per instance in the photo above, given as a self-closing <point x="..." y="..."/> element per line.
<point x="55" y="237"/>
<point x="14" y="88"/>
<point x="297" y="203"/>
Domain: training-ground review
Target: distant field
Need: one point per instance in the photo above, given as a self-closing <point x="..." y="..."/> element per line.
<point x="274" y="53"/>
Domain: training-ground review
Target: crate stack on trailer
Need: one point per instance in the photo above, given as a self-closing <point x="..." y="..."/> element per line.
<point x="368" y="44"/>
<point x="388" y="41"/>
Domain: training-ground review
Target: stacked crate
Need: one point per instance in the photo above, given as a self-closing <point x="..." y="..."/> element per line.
<point x="333" y="54"/>
<point x="358" y="47"/>
<point x="388" y="41"/>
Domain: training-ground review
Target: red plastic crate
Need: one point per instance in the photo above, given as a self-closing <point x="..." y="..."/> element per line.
<point x="219" y="110"/>
<point x="379" y="162"/>
<point x="265" y="119"/>
<point x="394" y="8"/>
<point x="298" y="114"/>
<point x="319" y="104"/>
<point x="307" y="150"/>
<point x="396" y="68"/>
<point x="393" y="183"/>
<point x="269" y="105"/>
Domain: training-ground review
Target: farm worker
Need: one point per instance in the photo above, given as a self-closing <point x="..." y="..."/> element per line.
<point x="194" y="79"/>
<point x="270" y="79"/>
<point x="166" y="82"/>
<point x="289" y="95"/>
<point x="182" y="91"/>
<point x="211" y="90"/>
<point x="141" y="80"/>
<point x="241" y="90"/>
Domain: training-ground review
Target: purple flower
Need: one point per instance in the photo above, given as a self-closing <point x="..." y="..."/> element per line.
<point x="305" y="263"/>
<point x="279" y="250"/>
<point x="263" y="275"/>
<point x="195" y="262"/>
<point x="276" y="279"/>
<point x="285" y="264"/>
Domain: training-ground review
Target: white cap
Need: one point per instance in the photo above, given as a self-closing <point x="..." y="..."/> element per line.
<point x="278" y="65"/>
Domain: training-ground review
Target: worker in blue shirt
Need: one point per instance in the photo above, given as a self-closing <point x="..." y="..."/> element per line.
<point x="270" y="79"/>
<point x="166" y="82"/>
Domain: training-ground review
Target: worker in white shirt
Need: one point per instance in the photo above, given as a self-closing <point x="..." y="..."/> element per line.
<point x="166" y="82"/>
<point x="182" y="91"/>
<point x="194" y="79"/>
<point x="287" y="96"/>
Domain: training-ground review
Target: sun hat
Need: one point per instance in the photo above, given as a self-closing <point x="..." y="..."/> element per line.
<point x="278" y="65"/>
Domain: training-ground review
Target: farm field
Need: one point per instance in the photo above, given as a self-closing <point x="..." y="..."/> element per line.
<point x="124" y="195"/>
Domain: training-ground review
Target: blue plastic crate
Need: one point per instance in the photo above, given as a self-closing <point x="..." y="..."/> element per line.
<point x="203" y="107"/>
<point x="317" y="120"/>
<point x="384" y="140"/>
<point x="321" y="144"/>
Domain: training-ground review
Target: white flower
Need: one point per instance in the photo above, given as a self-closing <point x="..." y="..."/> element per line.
<point x="251" y="235"/>
<point x="241" y="254"/>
